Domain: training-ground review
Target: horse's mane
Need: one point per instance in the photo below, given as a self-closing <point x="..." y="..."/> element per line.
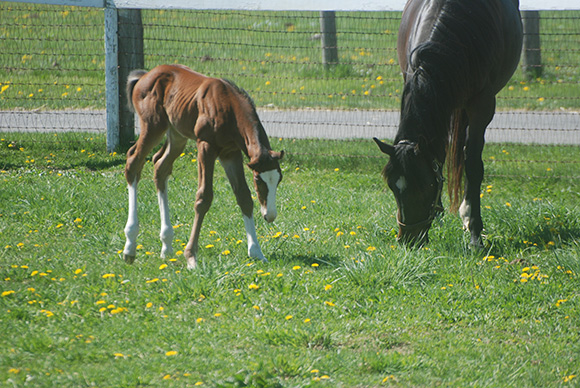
<point x="241" y="91"/>
<point x="258" y="124"/>
<point x="459" y="52"/>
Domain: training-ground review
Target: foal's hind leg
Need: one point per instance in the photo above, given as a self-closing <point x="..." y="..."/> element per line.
<point x="480" y="114"/>
<point x="163" y="167"/>
<point x="136" y="157"/>
<point x="234" y="168"/>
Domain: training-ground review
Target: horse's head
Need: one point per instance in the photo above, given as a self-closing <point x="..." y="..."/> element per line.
<point x="416" y="181"/>
<point x="267" y="176"/>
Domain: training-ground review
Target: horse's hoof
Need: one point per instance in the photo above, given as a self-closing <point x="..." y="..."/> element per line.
<point x="476" y="243"/>
<point x="129" y="259"/>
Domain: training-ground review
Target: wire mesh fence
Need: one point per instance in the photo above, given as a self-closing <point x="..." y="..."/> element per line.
<point x="52" y="75"/>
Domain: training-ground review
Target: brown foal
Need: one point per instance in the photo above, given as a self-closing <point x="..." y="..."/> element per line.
<point x="222" y="119"/>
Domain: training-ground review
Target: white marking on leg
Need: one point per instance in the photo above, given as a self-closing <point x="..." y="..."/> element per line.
<point x="166" y="233"/>
<point x="465" y="213"/>
<point x="271" y="179"/>
<point x="132" y="226"/>
<point x="254" y="249"/>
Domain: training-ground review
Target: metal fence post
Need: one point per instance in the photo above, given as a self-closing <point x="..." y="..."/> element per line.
<point x="328" y="38"/>
<point x="532" y="58"/>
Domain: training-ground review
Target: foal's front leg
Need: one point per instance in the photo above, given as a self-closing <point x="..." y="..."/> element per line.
<point x="234" y="168"/>
<point x="205" y="162"/>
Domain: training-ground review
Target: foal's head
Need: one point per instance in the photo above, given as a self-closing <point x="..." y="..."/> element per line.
<point x="267" y="176"/>
<point x="416" y="181"/>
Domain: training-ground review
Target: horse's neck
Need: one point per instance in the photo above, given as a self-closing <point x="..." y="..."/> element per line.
<point x="255" y="140"/>
<point x="424" y="120"/>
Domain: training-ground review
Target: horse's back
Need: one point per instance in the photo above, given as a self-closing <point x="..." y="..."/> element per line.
<point x="177" y="95"/>
<point x="482" y="38"/>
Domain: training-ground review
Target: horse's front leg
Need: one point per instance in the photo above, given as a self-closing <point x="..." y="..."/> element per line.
<point x="480" y="114"/>
<point x="163" y="161"/>
<point x="234" y="168"/>
<point x="205" y="162"/>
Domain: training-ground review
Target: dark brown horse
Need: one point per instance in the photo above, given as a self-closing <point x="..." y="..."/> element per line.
<point x="222" y="119"/>
<point x="456" y="55"/>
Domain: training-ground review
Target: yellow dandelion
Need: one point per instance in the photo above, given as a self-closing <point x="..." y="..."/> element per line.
<point x="171" y="353"/>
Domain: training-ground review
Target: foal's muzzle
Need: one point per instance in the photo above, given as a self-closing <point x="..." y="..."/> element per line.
<point x="269" y="216"/>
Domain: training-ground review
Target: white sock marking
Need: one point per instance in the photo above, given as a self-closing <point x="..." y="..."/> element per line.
<point x="465" y="213"/>
<point x="166" y="233"/>
<point x="132" y="226"/>
<point x="254" y="249"/>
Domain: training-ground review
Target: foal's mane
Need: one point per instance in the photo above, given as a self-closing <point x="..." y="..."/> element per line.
<point x="241" y="91"/>
<point x="262" y="136"/>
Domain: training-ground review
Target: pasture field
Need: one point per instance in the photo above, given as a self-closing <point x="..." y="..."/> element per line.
<point x="339" y="304"/>
<point x="53" y="57"/>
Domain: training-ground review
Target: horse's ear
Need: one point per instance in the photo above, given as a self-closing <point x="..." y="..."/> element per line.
<point x="384" y="147"/>
<point x="423" y="144"/>
<point x="276" y="155"/>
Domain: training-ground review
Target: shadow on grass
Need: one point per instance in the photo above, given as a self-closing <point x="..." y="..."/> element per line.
<point x="306" y="260"/>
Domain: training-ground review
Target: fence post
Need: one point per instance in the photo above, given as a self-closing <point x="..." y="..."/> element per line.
<point x="328" y="38"/>
<point x="130" y="57"/>
<point x="112" y="78"/>
<point x="532" y="58"/>
<point x="123" y="52"/>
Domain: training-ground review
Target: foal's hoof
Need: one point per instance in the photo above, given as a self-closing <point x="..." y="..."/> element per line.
<point x="129" y="259"/>
<point x="191" y="263"/>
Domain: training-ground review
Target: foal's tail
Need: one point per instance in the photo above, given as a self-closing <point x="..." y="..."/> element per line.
<point x="132" y="79"/>
<point x="456" y="159"/>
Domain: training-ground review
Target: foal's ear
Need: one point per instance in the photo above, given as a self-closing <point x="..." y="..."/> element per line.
<point x="276" y="155"/>
<point x="384" y="147"/>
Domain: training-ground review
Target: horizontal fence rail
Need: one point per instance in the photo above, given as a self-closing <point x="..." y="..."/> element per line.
<point x="53" y="71"/>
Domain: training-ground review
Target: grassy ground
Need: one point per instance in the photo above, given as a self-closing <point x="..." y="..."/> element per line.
<point x="340" y="304"/>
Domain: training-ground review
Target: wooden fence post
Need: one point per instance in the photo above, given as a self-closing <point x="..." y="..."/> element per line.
<point x="328" y="38"/>
<point x="130" y="57"/>
<point x="112" y="78"/>
<point x="532" y="58"/>
<point x="123" y="53"/>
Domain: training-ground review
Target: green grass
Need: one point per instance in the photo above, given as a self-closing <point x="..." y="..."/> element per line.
<point x="53" y="57"/>
<point x="340" y="304"/>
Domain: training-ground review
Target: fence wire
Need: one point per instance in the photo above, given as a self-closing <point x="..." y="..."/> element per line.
<point x="52" y="76"/>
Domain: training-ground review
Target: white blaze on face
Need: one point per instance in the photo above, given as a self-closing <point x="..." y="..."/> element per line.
<point x="271" y="179"/>
<point x="401" y="184"/>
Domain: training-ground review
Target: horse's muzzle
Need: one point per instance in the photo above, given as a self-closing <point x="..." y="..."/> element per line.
<point x="415" y="237"/>
<point x="269" y="216"/>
